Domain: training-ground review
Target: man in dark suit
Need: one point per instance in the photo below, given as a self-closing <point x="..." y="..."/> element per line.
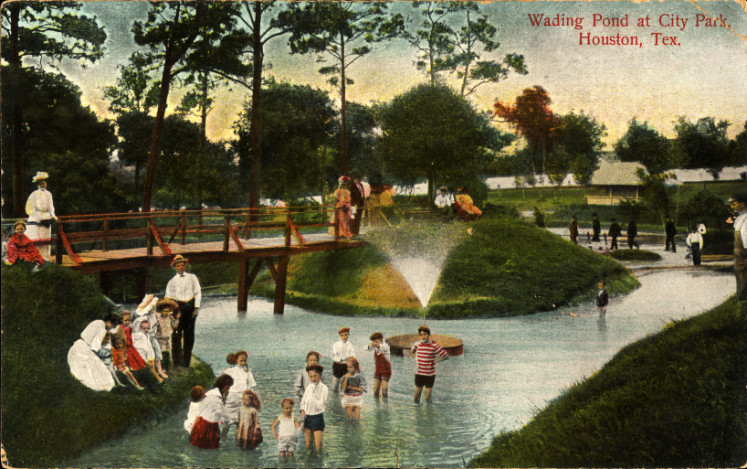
<point x="357" y="199"/>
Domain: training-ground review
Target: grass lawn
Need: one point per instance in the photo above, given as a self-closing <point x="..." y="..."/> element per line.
<point x="674" y="399"/>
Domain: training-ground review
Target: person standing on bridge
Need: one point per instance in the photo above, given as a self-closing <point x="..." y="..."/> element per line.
<point x="40" y="209"/>
<point x="185" y="289"/>
<point x="358" y="199"/>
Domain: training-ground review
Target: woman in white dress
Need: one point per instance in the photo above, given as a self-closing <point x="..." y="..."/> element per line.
<point x="84" y="358"/>
<point x="40" y="209"/>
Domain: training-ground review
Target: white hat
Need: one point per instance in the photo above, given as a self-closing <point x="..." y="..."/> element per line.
<point x="40" y="175"/>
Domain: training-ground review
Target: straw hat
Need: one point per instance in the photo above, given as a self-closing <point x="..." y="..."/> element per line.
<point x="19" y="222"/>
<point x="344" y="178"/>
<point x="178" y="259"/>
<point x="166" y="302"/>
<point x="40" y="175"/>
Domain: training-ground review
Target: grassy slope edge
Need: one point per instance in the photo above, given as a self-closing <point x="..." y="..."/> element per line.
<point x="674" y="399"/>
<point x="47" y="415"/>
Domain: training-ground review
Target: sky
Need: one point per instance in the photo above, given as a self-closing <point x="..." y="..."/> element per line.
<point x="698" y="69"/>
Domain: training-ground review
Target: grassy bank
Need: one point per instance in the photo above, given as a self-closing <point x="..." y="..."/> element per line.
<point x="47" y="415"/>
<point x="675" y="399"/>
<point x="634" y="255"/>
<point x="504" y="268"/>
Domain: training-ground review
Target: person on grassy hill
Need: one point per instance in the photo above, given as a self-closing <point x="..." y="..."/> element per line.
<point x="147" y="309"/>
<point x="342" y="350"/>
<point x="573" y="228"/>
<point x="353" y="387"/>
<point x="144" y="345"/>
<point x="694" y="241"/>
<point x="248" y="432"/>
<point x="632" y="233"/>
<point x="119" y="358"/>
<point x="87" y="354"/>
<point x="738" y="204"/>
<point x="613" y="233"/>
<point x="466" y="208"/>
<point x="671" y="230"/>
<point x="341" y="216"/>
<point x="168" y="321"/>
<point x="41" y="213"/>
<point x="196" y="396"/>
<point x="285" y="429"/>
<point x="302" y="380"/>
<point x="596" y="227"/>
<point x="427" y="353"/>
<point x="206" y="432"/>
<point x="243" y="379"/>
<point x="603" y="298"/>
<point x="184" y="288"/>
<point x="383" y="365"/>
<point x="313" y="405"/>
<point x="20" y="248"/>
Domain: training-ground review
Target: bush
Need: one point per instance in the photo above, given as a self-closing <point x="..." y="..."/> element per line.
<point x="634" y="255"/>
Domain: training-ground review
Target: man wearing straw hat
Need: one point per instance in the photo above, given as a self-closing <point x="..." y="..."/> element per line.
<point x="185" y="289"/>
<point x="40" y="209"/>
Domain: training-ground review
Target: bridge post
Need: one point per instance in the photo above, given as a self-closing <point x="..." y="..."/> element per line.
<point x="282" y="275"/>
<point x="243" y="293"/>
<point x="59" y="248"/>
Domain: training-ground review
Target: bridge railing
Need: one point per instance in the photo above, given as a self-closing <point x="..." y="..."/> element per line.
<point x="158" y="230"/>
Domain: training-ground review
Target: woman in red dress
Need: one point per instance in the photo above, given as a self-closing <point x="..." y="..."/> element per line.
<point x="206" y="429"/>
<point x="20" y="247"/>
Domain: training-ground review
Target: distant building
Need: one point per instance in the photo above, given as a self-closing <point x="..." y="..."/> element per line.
<point x="613" y="182"/>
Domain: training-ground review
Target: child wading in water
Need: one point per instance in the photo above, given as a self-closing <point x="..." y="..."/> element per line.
<point x="196" y="394"/>
<point x="302" y="380"/>
<point x="341" y="351"/>
<point x="426" y="353"/>
<point x="383" y="371"/>
<point x="248" y="433"/>
<point x="285" y="427"/>
<point x="353" y="387"/>
<point x="313" y="404"/>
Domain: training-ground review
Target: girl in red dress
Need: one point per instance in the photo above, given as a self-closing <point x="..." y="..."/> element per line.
<point x="134" y="360"/>
<point x="20" y="247"/>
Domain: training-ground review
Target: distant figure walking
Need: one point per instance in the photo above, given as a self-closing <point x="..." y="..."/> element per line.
<point x="613" y="233"/>
<point x="695" y="242"/>
<point x="40" y="209"/>
<point x="573" y="228"/>
<point x="670" y="229"/>
<point x="632" y="233"/>
<point x="596" y="227"/>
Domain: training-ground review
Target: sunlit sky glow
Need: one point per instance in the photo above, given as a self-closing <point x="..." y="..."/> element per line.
<point x="705" y="76"/>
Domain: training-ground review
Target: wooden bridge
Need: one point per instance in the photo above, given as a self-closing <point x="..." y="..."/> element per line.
<point x="110" y="243"/>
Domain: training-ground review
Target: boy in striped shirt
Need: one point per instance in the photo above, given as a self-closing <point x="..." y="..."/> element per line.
<point x="426" y="353"/>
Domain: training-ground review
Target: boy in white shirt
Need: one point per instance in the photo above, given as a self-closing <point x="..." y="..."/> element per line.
<point x="341" y="351"/>
<point x="313" y="404"/>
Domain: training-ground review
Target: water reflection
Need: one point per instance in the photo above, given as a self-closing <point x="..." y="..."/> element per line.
<point x="511" y="368"/>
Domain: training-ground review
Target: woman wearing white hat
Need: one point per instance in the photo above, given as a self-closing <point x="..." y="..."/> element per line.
<point x="40" y="209"/>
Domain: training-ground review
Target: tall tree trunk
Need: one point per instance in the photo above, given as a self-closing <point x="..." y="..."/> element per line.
<point x="255" y="125"/>
<point x="343" y="111"/>
<point x="157" y="130"/>
<point x="19" y="166"/>
<point x="203" y="137"/>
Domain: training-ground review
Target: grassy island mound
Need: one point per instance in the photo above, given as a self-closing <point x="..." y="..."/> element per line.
<point x="47" y="415"/>
<point x="674" y="399"/>
<point x="503" y="268"/>
<point x="634" y="255"/>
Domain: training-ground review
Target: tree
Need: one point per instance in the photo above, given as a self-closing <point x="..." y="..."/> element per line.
<point x="345" y="31"/>
<point x="67" y="140"/>
<point x="134" y="90"/>
<point x="644" y="144"/>
<point x="184" y="38"/>
<point x="434" y="40"/>
<point x="297" y="122"/>
<point x="581" y="136"/>
<point x="559" y="162"/>
<point x="738" y="148"/>
<point x="704" y="143"/>
<point x="432" y="132"/>
<point x="48" y="31"/>
<point x="532" y="117"/>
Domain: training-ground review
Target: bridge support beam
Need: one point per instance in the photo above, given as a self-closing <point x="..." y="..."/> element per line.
<point x="105" y="283"/>
<point x="280" y="280"/>
<point x="142" y="282"/>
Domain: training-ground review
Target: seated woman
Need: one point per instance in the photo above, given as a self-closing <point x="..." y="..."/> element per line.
<point x="466" y="209"/>
<point x="84" y="358"/>
<point x="21" y="248"/>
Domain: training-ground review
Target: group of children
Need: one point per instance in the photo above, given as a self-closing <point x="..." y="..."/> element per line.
<point x="206" y="414"/>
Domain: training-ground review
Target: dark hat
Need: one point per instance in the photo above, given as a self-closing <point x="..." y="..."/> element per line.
<point x="742" y="197"/>
<point x="424" y="328"/>
<point x="377" y="336"/>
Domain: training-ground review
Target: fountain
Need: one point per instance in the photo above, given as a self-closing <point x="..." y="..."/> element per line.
<point x="418" y="251"/>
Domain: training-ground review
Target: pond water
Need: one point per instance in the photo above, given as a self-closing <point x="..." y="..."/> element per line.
<point x="511" y="368"/>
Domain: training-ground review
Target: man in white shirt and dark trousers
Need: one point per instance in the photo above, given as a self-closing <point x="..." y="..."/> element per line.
<point x="185" y="289"/>
<point x="738" y="204"/>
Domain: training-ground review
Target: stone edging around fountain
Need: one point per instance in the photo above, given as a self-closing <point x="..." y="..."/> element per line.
<point x="399" y="343"/>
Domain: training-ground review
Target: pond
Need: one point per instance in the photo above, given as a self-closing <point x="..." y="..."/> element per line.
<point x="511" y="368"/>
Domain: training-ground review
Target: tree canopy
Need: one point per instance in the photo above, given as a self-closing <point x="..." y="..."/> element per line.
<point x="644" y="144"/>
<point x="703" y="143"/>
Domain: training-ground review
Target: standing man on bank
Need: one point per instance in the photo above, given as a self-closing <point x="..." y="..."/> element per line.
<point x="738" y="204"/>
<point x="357" y="199"/>
<point x="185" y="289"/>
